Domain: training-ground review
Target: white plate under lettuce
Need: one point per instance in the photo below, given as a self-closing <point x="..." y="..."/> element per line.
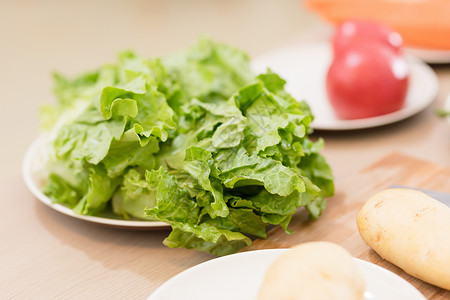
<point x="33" y="170"/>
<point x="304" y="67"/>
<point x="240" y="276"/>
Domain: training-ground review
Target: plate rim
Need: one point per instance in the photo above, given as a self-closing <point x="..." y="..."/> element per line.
<point x="357" y="124"/>
<point x="157" y="293"/>
<point x="34" y="188"/>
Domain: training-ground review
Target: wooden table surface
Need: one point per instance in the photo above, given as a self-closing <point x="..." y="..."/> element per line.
<point x="338" y="222"/>
<point x="46" y="255"/>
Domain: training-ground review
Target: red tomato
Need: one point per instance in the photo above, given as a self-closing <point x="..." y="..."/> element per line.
<point x="367" y="80"/>
<point x="357" y="31"/>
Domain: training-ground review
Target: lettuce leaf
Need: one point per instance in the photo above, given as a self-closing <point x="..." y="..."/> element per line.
<point x="193" y="139"/>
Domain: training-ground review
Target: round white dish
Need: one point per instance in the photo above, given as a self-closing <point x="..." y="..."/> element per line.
<point x="304" y="67"/>
<point x="31" y="169"/>
<point x="240" y="276"/>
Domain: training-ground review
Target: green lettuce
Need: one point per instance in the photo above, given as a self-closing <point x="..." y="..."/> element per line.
<point x="193" y="139"/>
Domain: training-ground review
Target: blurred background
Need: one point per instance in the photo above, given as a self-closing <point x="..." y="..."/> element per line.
<point x="39" y="37"/>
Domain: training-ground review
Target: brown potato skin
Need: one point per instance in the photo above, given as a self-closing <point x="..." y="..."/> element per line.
<point x="411" y="230"/>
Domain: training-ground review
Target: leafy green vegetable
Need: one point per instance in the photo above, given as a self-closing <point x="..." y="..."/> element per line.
<point x="193" y="139"/>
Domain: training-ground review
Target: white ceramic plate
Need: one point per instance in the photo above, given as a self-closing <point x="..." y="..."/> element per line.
<point x="240" y="276"/>
<point x="32" y="169"/>
<point x="304" y="68"/>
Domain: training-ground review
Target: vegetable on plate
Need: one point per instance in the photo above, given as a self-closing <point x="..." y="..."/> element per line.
<point x="194" y="139"/>
<point x="368" y="76"/>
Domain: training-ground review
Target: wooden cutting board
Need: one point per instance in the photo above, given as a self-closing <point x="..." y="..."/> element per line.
<point x="338" y="222"/>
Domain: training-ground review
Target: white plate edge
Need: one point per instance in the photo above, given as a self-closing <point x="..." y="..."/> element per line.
<point x="348" y="125"/>
<point x="33" y="187"/>
<point x="156" y="293"/>
<point x="396" y="116"/>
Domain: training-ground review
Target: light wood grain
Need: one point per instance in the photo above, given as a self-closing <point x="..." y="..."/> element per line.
<point x="47" y="255"/>
<point x="338" y="222"/>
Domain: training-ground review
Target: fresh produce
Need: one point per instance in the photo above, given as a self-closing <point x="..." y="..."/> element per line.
<point x="409" y="229"/>
<point x="368" y="76"/>
<point x="193" y="139"/>
<point x="357" y="31"/>
<point x="314" y="270"/>
<point x="422" y="24"/>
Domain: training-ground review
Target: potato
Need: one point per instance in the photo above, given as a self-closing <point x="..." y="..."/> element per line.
<point x="411" y="230"/>
<point x="314" y="270"/>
